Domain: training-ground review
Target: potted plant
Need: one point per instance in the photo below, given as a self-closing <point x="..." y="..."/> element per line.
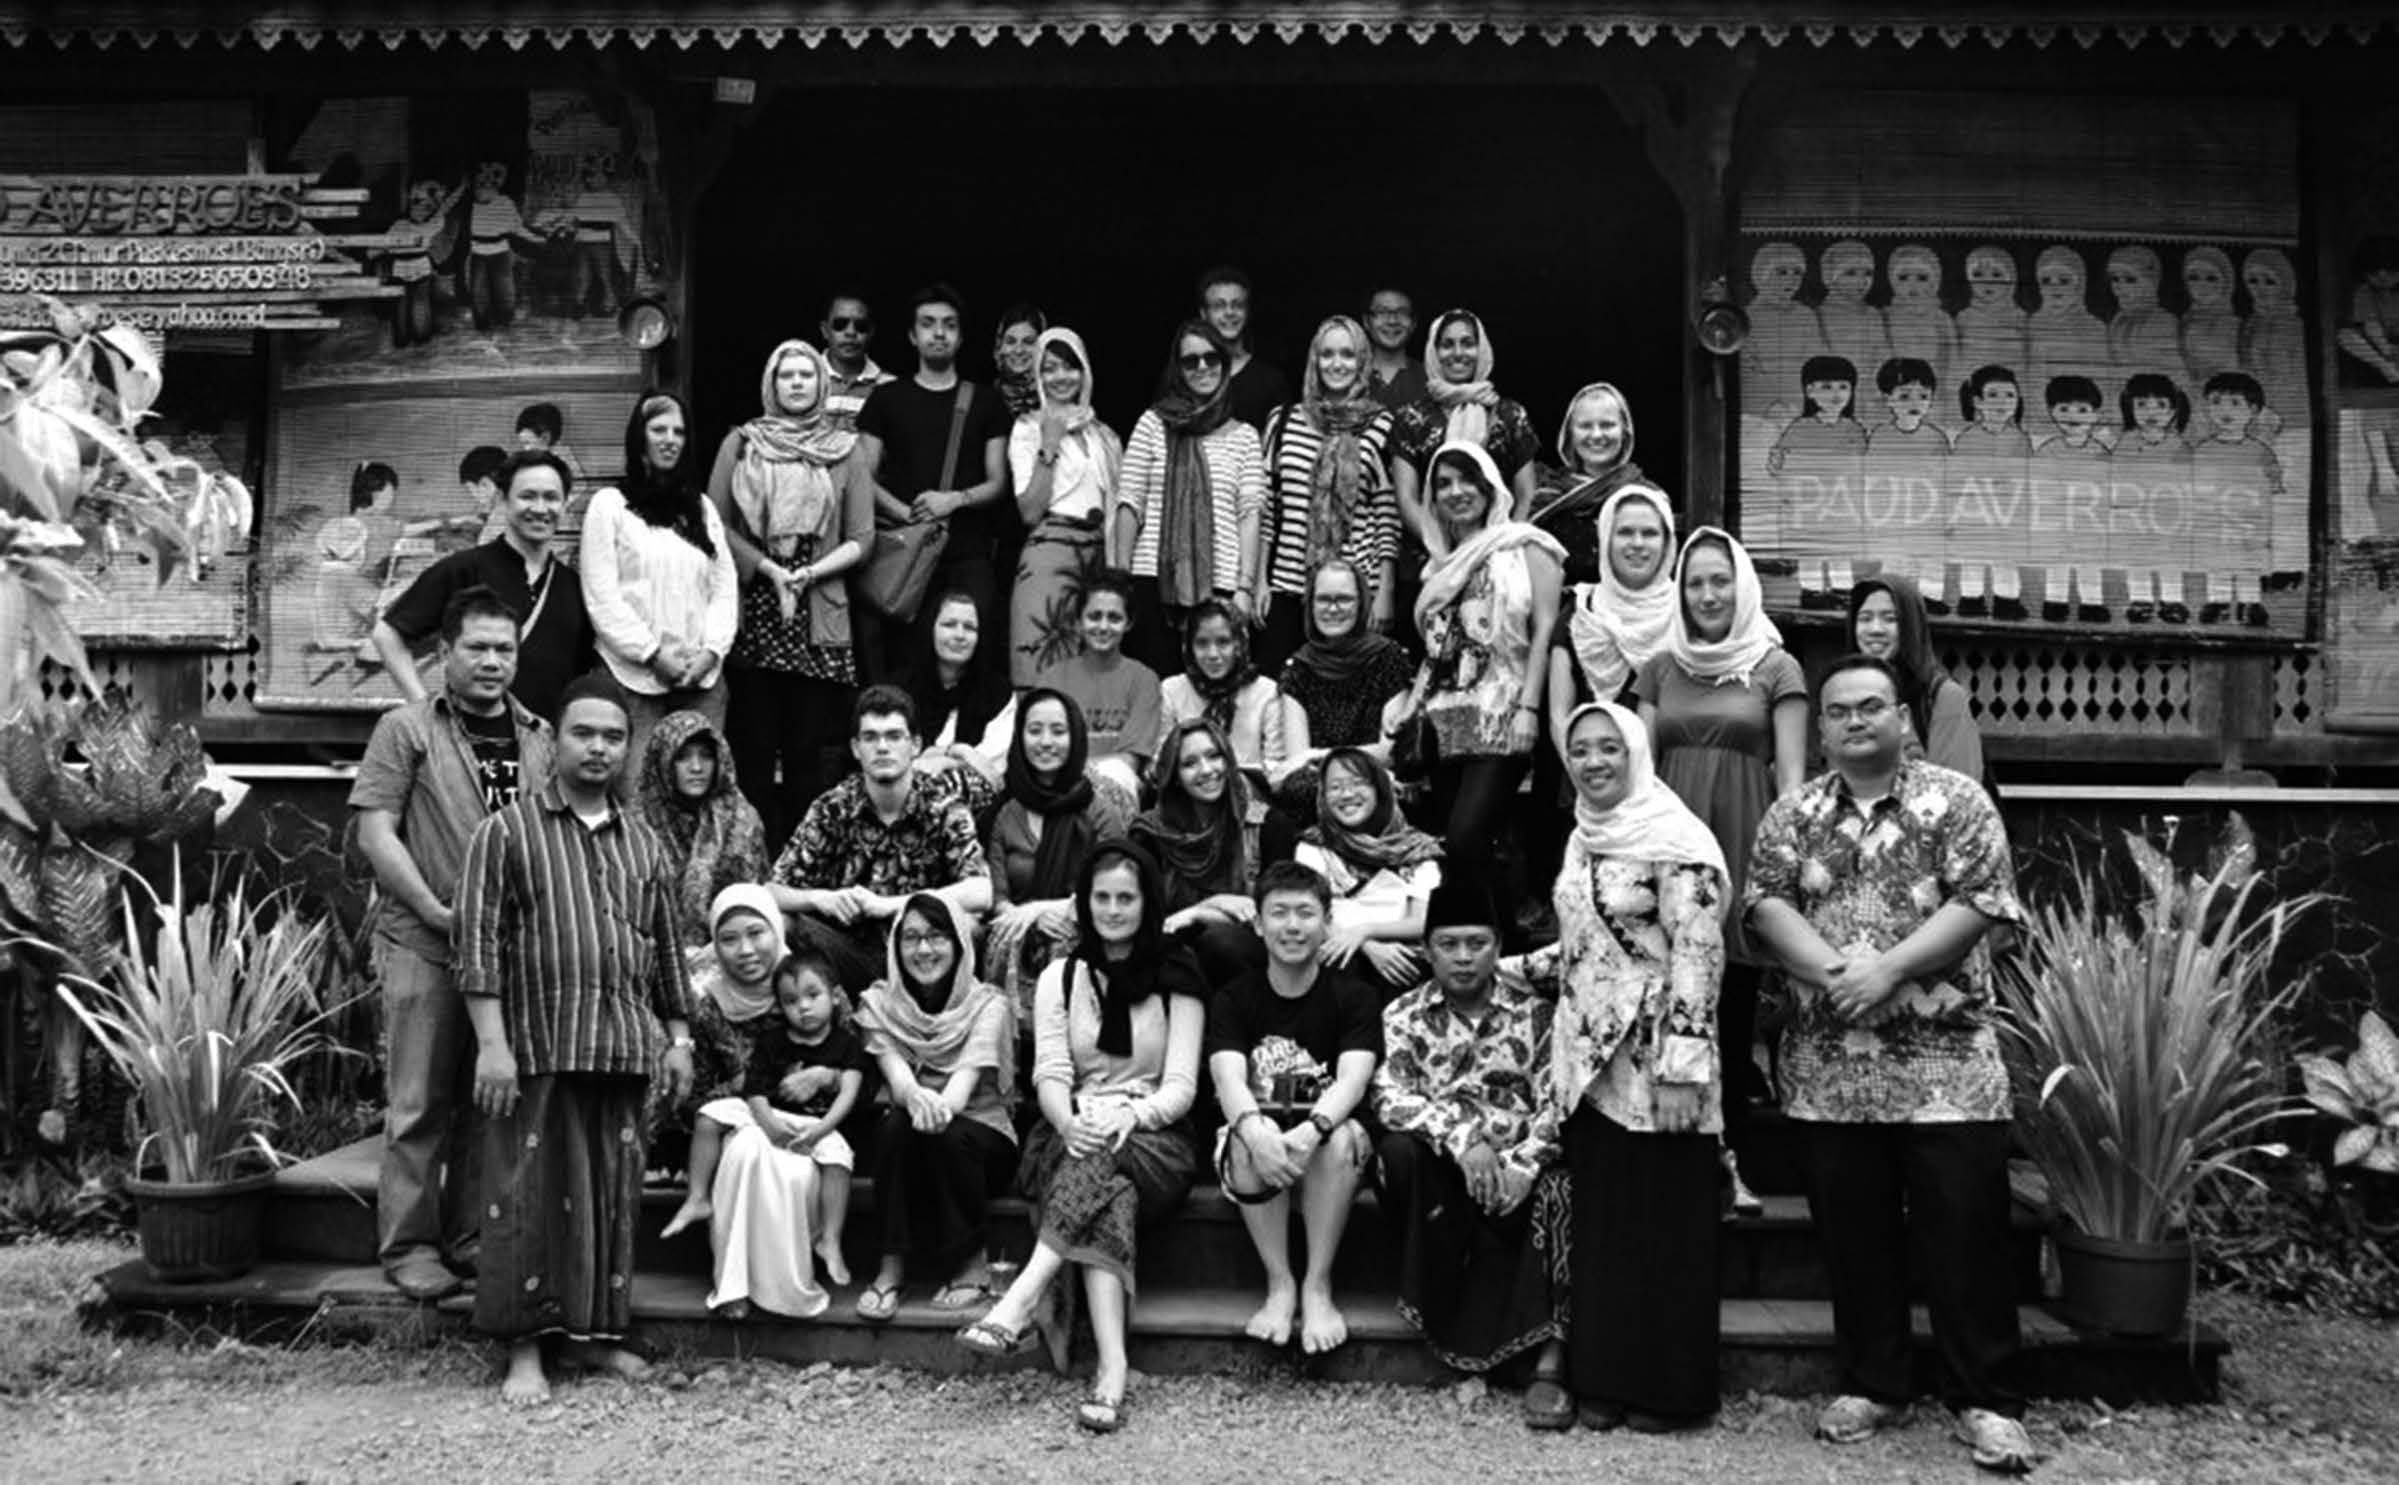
<point x="211" y="1009"/>
<point x="2138" y="1045"/>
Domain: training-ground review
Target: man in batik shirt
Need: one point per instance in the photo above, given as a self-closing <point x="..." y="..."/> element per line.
<point x="1875" y="886"/>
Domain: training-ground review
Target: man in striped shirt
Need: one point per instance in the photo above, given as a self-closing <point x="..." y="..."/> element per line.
<point x="568" y="959"/>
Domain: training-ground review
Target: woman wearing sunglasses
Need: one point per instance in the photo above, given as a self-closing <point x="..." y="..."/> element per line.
<point x="1189" y="499"/>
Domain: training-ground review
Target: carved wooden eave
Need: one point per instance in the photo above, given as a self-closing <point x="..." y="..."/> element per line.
<point x="393" y="24"/>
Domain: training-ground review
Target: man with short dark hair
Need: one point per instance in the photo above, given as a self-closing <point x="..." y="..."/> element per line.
<point x="1875" y="885"/>
<point x="524" y="570"/>
<point x="848" y="329"/>
<point x="434" y="771"/>
<point x="1394" y="376"/>
<point x="1256" y="387"/>
<point x="573" y="974"/>
<point x="1292" y="1050"/>
<point x="938" y="445"/>
<point x="874" y="840"/>
<point x="1468" y="1133"/>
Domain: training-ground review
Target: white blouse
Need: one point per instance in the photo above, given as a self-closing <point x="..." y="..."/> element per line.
<point x="645" y="585"/>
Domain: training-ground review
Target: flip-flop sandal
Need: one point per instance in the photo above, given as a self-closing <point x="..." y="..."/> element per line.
<point x="1098" y="1415"/>
<point x="956" y="1296"/>
<point x="1547" y="1406"/>
<point x="877" y="1303"/>
<point x="988" y="1338"/>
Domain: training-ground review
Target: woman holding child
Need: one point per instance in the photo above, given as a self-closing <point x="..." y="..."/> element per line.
<point x="1117" y="1035"/>
<point x="946" y="1043"/>
<point x="769" y="1169"/>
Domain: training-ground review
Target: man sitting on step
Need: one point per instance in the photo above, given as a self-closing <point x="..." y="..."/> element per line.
<point x="1874" y="886"/>
<point x="1292" y="1048"/>
<point x="1469" y="1153"/>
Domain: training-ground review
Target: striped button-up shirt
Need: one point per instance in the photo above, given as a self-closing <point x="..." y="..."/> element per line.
<point x="571" y="927"/>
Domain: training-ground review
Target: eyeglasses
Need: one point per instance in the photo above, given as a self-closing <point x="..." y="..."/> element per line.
<point x="1200" y="360"/>
<point x="1869" y="710"/>
<point x="1336" y="600"/>
<point x="922" y="939"/>
<point x="859" y="323"/>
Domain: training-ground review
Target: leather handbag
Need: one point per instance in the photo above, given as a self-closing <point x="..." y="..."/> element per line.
<point x="899" y="566"/>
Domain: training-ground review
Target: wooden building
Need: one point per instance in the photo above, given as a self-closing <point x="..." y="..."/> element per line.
<point x="2081" y="195"/>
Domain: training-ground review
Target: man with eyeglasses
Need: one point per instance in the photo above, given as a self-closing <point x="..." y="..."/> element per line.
<point x="1393" y="376"/>
<point x="873" y="841"/>
<point x="848" y="329"/>
<point x="1258" y="387"/>
<point x="1875" y="886"/>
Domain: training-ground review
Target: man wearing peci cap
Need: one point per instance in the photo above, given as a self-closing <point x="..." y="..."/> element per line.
<point x="1469" y="1146"/>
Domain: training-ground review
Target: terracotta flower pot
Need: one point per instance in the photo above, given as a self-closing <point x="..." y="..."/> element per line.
<point x="193" y="1234"/>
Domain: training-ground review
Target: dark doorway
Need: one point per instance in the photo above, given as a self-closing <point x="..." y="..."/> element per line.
<point x="1534" y="207"/>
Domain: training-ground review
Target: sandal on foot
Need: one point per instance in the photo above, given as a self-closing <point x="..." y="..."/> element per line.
<point x="958" y="1296"/>
<point x="1548" y="1407"/>
<point x="1098" y="1415"/>
<point x="990" y="1338"/>
<point x="877" y="1303"/>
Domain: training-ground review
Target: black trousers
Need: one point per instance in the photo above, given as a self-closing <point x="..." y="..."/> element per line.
<point x="1873" y="1188"/>
<point x="1471" y="807"/>
<point x="787" y="732"/>
<point x="933" y="1191"/>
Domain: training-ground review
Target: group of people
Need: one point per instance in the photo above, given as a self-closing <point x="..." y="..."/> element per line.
<point x="641" y="902"/>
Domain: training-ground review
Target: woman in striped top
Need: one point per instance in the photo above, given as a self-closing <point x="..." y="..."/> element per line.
<point x="1188" y="502"/>
<point x="1325" y="457"/>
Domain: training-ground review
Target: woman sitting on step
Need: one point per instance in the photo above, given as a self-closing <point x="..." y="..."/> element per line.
<point x="946" y="1042"/>
<point x="1117" y="1034"/>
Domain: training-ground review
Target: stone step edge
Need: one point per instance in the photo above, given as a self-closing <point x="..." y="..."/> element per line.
<point x="1159" y="1311"/>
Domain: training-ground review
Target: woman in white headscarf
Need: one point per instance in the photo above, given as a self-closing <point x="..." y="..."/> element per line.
<point x="1641" y="902"/>
<point x="1460" y="405"/>
<point x="1727" y="707"/>
<point x="1486" y="612"/>
<point x="1065" y="464"/>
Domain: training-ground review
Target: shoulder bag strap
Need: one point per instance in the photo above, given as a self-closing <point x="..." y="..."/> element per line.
<point x="949" y="459"/>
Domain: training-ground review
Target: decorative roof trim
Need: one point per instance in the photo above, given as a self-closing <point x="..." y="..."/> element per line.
<point x="353" y="24"/>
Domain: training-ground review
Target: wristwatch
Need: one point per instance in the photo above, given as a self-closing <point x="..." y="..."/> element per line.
<point x="1324" y="1126"/>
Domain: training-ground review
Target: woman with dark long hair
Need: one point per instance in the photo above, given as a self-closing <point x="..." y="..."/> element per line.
<point x="659" y="577"/>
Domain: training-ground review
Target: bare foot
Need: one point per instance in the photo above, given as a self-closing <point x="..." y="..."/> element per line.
<point x="694" y="1209"/>
<point x="598" y="1356"/>
<point x="828" y="1253"/>
<point x="1321" y="1327"/>
<point x="525" y="1386"/>
<point x="1272" y="1323"/>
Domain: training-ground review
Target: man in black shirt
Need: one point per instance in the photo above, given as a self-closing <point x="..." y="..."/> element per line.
<point x="1259" y="387"/>
<point x="939" y="447"/>
<point x="520" y="566"/>
<point x="1292" y="1049"/>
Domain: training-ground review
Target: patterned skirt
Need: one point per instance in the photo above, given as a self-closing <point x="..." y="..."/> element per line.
<point x="1091" y="1205"/>
<point x="1045" y="608"/>
<point x="561" y="1193"/>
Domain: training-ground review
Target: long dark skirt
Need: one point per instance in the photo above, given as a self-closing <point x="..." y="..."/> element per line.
<point x="1643" y="1317"/>
<point x="1091" y="1206"/>
<point x="561" y="1192"/>
<point x="1481" y="1288"/>
<point x="933" y="1191"/>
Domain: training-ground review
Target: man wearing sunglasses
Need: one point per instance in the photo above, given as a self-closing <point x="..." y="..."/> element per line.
<point x="848" y="329"/>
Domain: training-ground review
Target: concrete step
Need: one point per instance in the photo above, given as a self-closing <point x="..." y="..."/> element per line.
<point x="1770" y="1345"/>
<point x="324" y="1212"/>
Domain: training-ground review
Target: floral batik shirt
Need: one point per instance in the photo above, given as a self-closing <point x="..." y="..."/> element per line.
<point x="842" y="842"/>
<point x="1865" y="876"/>
<point x="1637" y="966"/>
<point x="1457" y="1083"/>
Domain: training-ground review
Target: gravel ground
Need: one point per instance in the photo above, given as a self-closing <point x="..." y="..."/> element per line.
<point x="2308" y="1399"/>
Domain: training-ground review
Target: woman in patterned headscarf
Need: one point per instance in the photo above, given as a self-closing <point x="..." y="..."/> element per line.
<point x="799" y="510"/>
<point x="686" y="793"/>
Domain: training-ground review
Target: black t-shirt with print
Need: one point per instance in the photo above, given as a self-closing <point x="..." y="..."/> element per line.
<point x="1294" y="1046"/>
<point x="497" y="764"/>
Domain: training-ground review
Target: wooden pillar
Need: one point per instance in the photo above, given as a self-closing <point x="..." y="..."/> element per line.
<point x="1687" y="125"/>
